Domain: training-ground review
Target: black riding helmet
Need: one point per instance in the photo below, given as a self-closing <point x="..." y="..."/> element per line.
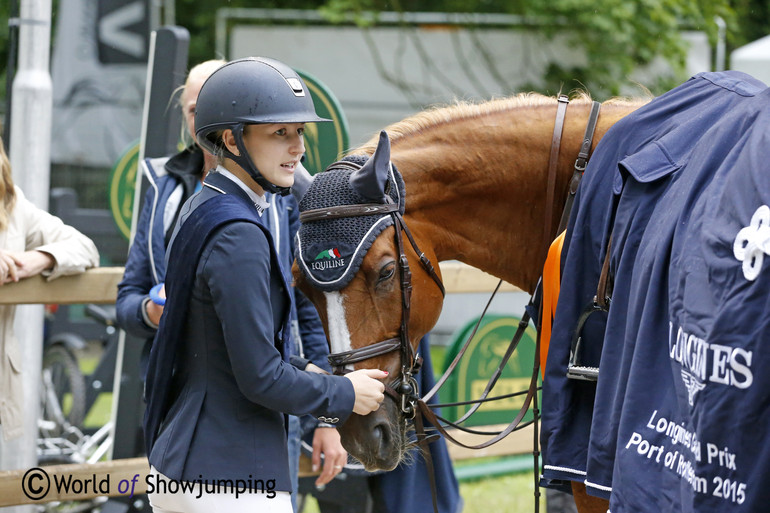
<point x="255" y="90"/>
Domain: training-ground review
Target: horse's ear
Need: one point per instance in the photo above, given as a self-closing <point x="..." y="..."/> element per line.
<point x="302" y="181"/>
<point x="371" y="179"/>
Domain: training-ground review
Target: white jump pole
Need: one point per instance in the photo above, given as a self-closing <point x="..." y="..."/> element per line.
<point x="30" y="159"/>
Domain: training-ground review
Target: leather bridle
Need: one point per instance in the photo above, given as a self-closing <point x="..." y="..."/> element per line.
<point x="404" y="389"/>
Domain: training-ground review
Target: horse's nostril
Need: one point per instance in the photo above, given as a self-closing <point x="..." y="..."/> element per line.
<point x="382" y="434"/>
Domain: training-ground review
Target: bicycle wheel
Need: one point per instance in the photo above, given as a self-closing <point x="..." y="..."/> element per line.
<point x="64" y="397"/>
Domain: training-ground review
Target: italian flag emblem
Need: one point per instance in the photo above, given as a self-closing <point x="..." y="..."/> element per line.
<point x="328" y="254"/>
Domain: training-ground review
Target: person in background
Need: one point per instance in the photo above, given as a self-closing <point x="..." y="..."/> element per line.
<point x="172" y="181"/>
<point x="32" y="242"/>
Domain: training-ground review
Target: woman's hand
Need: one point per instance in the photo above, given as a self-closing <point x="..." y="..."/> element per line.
<point x="15" y="266"/>
<point x="326" y="441"/>
<point x="369" y="390"/>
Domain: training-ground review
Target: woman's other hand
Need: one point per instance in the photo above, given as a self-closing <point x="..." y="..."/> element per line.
<point x="326" y="441"/>
<point x="369" y="390"/>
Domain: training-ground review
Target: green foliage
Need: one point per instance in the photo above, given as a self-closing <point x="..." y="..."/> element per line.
<point x="621" y="35"/>
<point x="753" y="20"/>
<point x="618" y="36"/>
<point x="340" y="11"/>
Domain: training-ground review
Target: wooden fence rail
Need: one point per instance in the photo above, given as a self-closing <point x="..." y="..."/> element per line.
<point x="101" y="286"/>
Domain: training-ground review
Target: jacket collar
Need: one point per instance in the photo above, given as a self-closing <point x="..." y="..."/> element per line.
<point x="225" y="185"/>
<point x="188" y="162"/>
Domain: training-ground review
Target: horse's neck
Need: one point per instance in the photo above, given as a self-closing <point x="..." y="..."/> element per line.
<point x="479" y="196"/>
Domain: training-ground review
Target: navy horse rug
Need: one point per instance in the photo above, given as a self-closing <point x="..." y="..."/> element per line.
<point x="677" y="196"/>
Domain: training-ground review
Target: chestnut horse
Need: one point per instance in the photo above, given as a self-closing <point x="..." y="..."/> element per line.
<point x="475" y="181"/>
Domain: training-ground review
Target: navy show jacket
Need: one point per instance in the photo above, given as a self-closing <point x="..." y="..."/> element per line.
<point x="231" y="382"/>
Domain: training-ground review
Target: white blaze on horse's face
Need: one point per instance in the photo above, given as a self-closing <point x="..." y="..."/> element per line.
<point x="339" y="335"/>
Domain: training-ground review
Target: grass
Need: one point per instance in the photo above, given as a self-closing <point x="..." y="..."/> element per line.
<point x="510" y="494"/>
<point x="505" y="494"/>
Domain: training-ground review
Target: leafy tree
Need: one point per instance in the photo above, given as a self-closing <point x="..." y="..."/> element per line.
<point x="753" y="22"/>
<point x="619" y="35"/>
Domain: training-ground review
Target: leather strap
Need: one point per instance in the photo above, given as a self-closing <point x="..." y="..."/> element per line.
<point x="580" y="165"/>
<point x="523" y="323"/>
<point x="424" y="413"/>
<point x="553" y="162"/>
<point x="604" y="288"/>
<point x="362" y="209"/>
<point x="600" y="303"/>
<point x="425" y="261"/>
<point x="407" y="352"/>
<point x="425" y="410"/>
<point x="428" y="396"/>
<point x="536" y="448"/>
<point x="364" y="353"/>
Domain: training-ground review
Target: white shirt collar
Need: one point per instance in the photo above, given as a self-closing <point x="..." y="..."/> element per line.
<point x="259" y="201"/>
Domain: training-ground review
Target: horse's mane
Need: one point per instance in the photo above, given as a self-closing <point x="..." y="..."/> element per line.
<point x="441" y="114"/>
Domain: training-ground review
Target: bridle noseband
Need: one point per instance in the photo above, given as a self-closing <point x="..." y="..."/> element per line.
<point x="404" y="389"/>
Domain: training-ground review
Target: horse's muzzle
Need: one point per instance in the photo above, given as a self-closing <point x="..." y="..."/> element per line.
<point x="376" y="440"/>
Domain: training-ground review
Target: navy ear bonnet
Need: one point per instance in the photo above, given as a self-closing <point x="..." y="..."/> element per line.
<point x="330" y="251"/>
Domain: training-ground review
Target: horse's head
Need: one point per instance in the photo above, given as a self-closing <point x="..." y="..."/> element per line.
<point x="374" y="310"/>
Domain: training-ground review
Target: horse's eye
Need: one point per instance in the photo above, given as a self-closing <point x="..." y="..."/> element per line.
<point x="387" y="272"/>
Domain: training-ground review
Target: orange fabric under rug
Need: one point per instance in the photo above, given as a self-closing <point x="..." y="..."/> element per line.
<point x="551" y="286"/>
